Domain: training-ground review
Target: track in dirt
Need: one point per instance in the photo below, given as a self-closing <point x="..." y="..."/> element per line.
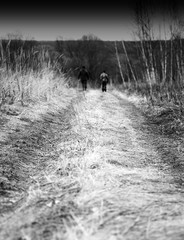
<point x="103" y="180"/>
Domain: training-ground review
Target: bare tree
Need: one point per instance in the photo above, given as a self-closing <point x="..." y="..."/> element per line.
<point x="119" y="64"/>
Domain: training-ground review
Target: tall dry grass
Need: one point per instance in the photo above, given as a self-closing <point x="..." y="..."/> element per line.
<point x="31" y="86"/>
<point x="28" y="141"/>
<point x="28" y="73"/>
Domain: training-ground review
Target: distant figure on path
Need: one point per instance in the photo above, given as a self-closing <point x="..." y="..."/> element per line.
<point x="104" y="80"/>
<point x="84" y="77"/>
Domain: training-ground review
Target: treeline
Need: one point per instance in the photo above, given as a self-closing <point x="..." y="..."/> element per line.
<point x="154" y="68"/>
<point x="67" y="57"/>
<point x="95" y="54"/>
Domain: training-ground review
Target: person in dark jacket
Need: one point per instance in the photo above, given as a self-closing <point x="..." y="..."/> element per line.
<point x="104" y="80"/>
<point x="84" y="77"/>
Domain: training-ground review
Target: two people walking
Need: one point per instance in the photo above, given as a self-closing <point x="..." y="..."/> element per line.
<point x="83" y="76"/>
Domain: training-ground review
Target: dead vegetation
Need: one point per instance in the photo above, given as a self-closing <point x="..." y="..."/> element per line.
<point x="28" y="147"/>
<point x="89" y="168"/>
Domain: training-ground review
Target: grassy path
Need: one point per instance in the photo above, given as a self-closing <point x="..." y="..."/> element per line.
<point x="101" y="179"/>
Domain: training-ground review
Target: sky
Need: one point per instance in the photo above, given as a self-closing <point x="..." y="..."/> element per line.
<point x="51" y="20"/>
<point x="72" y="21"/>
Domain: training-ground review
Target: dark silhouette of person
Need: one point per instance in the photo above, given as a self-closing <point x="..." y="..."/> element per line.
<point x="84" y="77"/>
<point x="104" y="80"/>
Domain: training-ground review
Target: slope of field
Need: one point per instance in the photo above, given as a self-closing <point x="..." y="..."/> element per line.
<point x="91" y="169"/>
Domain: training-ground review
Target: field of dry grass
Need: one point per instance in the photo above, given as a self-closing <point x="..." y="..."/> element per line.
<point x="87" y="166"/>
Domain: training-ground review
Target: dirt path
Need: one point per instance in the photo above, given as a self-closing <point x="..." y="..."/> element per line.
<point x="105" y="181"/>
<point x="135" y="198"/>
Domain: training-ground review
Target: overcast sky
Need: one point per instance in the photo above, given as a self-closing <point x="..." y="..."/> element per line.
<point x="50" y="21"/>
<point x="107" y="21"/>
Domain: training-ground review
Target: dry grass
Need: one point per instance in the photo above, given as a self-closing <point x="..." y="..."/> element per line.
<point x="123" y="188"/>
<point x="94" y="174"/>
<point x="28" y="137"/>
<point x="30" y="87"/>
